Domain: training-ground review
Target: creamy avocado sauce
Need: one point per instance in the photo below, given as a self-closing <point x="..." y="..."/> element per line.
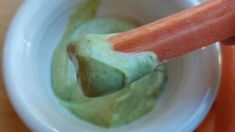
<point x="127" y="85"/>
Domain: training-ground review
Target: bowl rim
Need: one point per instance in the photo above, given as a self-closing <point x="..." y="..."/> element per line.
<point x="30" y="121"/>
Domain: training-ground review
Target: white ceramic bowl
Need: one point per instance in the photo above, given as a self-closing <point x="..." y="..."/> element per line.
<point x="37" y="30"/>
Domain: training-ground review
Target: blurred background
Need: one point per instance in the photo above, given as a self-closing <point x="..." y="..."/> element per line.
<point x="9" y="121"/>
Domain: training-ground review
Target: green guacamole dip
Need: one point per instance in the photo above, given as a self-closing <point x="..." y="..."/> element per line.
<point x="127" y="84"/>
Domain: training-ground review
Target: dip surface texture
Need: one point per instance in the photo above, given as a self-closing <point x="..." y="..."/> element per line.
<point x="127" y="84"/>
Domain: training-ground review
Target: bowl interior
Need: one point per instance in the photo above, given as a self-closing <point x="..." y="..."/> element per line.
<point x="36" y="31"/>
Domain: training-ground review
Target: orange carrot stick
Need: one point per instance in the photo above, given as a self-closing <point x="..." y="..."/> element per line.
<point x="181" y="33"/>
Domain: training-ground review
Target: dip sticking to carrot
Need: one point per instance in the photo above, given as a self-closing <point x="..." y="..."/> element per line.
<point x="124" y="86"/>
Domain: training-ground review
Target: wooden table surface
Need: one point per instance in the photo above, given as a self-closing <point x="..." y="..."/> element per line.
<point x="9" y="121"/>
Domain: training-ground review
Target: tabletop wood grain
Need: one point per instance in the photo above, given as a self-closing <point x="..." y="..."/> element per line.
<point x="9" y="121"/>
